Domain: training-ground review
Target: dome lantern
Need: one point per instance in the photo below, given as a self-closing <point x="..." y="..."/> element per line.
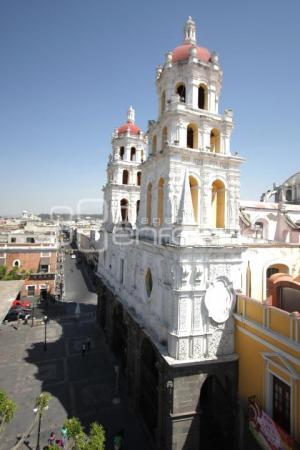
<point x="190" y="32"/>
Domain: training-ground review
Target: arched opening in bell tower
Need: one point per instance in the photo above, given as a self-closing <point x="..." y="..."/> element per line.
<point x="122" y="151"/>
<point x="192" y="136"/>
<point x="180" y="90"/>
<point x="215" y="140"/>
<point x="125" y="177"/>
<point x="160" y="201"/>
<point x="138" y="178"/>
<point x="132" y="153"/>
<point x="154" y="145"/>
<point x="164" y="137"/>
<point x="202" y="97"/>
<point x="163" y="102"/>
<point x="149" y="204"/>
<point x="124" y="209"/>
<point x="194" y="187"/>
<point x="218" y="204"/>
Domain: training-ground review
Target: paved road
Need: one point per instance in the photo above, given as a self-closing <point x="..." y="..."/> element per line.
<point x="80" y="386"/>
<point x="78" y="286"/>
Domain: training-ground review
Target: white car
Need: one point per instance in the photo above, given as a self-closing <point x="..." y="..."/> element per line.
<point x="73" y="256"/>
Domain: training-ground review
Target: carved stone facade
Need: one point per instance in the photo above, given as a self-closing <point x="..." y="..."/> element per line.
<point x="179" y="403"/>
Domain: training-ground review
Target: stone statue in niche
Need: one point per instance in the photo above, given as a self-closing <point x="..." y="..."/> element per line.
<point x="198" y="275"/>
<point x="184" y="272"/>
<point x="219" y="300"/>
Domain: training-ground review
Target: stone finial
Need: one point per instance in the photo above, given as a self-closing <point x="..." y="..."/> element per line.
<point x="185" y="214"/>
<point x="169" y="57"/>
<point x="130" y="115"/>
<point x="214" y="58"/>
<point x="190" y="32"/>
<point x="159" y="70"/>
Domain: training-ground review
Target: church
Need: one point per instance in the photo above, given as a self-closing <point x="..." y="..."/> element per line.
<point x="176" y="246"/>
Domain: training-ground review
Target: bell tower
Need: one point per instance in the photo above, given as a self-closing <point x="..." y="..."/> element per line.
<point x="122" y="190"/>
<point x="189" y="144"/>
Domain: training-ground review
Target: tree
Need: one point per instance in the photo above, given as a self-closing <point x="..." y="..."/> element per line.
<point x="41" y="404"/>
<point x="79" y="440"/>
<point x="75" y="432"/>
<point x="14" y="273"/>
<point x="7" y="410"/>
<point x="96" y="438"/>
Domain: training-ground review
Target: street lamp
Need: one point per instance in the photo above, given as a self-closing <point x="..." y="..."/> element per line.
<point x="45" y="323"/>
<point x="39" y="411"/>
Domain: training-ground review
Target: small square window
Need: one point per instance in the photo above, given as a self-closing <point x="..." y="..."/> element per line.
<point x="31" y="291"/>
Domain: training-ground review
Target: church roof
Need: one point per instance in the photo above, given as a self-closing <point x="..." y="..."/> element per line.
<point x="182" y="52"/>
<point x="294" y="179"/>
<point x="134" y="129"/>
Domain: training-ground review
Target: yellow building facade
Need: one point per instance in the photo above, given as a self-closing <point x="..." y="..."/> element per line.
<point x="268" y="344"/>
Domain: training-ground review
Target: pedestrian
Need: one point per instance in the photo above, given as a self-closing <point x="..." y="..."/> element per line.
<point x="51" y="439"/>
<point x="88" y="343"/>
<point x="59" y="443"/>
<point x="119" y="440"/>
<point x="64" y="435"/>
<point x="83" y="349"/>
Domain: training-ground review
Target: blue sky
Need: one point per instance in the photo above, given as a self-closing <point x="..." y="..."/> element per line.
<point x="70" y="69"/>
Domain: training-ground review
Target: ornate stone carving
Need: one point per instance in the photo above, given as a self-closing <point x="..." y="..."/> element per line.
<point x="197" y="319"/>
<point x="198" y="347"/>
<point x="182" y="349"/>
<point x="219" y="300"/>
<point x="198" y="272"/>
<point x="182" y="314"/>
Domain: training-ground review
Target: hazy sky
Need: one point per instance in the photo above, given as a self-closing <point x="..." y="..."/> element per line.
<point x="70" y="68"/>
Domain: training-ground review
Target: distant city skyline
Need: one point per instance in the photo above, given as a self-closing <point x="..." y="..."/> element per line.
<point x="70" y="70"/>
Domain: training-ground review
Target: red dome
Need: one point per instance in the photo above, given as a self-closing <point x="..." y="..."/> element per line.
<point x="182" y="52"/>
<point x="134" y="129"/>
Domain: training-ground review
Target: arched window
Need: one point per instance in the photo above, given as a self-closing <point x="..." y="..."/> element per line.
<point x="137" y="208"/>
<point x="202" y="96"/>
<point x="138" y="178"/>
<point x="125" y="177"/>
<point x="122" y="151"/>
<point x="215" y="140"/>
<point x="261" y="228"/>
<point x="124" y="209"/>
<point x="163" y="102"/>
<point x="160" y="202"/>
<point x="16" y="263"/>
<point x="192" y="136"/>
<point x="180" y="90"/>
<point x="288" y="195"/>
<point x="218" y="204"/>
<point x="164" y="137"/>
<point x="154" y="145"/>
<point x="149" y="204"/>
<point x="132" y="154"/>
<point x="194" y="187"/>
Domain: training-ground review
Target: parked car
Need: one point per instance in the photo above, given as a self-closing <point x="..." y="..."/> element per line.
<point x="25" y="303"/>
<point x="17" y="313"/>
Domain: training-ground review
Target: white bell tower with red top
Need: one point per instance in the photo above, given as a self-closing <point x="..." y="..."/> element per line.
<point x="122" y="190"/>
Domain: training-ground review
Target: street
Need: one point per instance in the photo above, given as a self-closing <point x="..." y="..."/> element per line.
<point x="81" y="386"/>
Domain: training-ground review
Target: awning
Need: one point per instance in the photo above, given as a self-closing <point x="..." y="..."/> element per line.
<point x="45" y="260"/>
<point x="9" y="291"/>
